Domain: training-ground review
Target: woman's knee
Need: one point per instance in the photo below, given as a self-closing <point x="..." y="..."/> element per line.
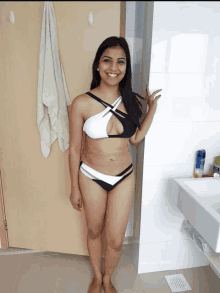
<point x="93" y="234"/>
<point x="116" y="245"/>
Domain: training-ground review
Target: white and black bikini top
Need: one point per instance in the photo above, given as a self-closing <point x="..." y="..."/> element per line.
<point x="96" y="126"/>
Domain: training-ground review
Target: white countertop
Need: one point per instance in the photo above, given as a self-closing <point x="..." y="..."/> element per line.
<point x="214" y="259"/>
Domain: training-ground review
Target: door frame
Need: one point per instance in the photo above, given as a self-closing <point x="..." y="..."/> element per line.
<point x="3" y="222"/>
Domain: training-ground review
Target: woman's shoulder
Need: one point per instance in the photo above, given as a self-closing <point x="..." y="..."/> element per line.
<point x="80" y="100"/>
<point x="82" y="97"/>
<point x="80" y="104"/>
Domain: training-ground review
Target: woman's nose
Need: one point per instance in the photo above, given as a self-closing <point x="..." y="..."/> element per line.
<point x="114" y="66"/>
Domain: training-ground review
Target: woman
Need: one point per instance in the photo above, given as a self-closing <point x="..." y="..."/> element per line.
<point x="102" y="176"/>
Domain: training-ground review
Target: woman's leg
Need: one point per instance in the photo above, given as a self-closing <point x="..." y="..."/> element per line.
<point x="104" y="241"/>
<point x="117" y="215"/>
<point x="94" y="199"/>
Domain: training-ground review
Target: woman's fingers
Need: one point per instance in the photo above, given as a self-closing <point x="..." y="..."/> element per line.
<point x="147" y="91"/>
<point x="154" y="93"/>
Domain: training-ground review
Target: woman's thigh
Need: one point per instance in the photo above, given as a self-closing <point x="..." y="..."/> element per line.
<point x="94" y="199"/>
<point x="118" y="211"/>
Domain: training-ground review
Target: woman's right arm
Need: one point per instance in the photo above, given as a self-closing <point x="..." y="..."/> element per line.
<point x="75" y="140"/>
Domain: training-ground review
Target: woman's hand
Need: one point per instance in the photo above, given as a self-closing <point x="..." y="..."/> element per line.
<point x="76" y="200"/>
<point x="152" y="103"/>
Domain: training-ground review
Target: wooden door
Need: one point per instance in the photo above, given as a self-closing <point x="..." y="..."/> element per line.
<point x="35" y="191"/>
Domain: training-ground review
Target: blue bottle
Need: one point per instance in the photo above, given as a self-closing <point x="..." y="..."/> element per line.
<point x="200" y="161"/>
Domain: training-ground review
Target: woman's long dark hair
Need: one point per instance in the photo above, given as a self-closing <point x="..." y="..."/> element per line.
<point x="132" y="105"/>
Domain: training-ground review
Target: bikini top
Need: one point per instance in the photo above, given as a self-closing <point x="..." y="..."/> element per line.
<point x="96" y="126"/>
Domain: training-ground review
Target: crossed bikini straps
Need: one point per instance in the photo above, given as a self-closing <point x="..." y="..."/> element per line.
<point x="128" y="124"/>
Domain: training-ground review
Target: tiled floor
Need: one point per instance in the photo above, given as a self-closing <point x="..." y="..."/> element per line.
<point x="64" y="273"/>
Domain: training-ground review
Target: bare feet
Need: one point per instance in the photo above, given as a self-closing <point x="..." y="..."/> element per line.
<point x="95" y="286"/>
<point x="108" y="287"/>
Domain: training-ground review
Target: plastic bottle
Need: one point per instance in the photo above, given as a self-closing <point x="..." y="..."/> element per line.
<point x="200" y="161"/>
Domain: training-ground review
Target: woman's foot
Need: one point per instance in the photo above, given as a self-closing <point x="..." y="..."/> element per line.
<point x="96" y="285"/>
<point x="107" y="286"/>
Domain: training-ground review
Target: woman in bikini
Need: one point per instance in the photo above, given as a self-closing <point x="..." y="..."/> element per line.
<point x="102" y="178"/>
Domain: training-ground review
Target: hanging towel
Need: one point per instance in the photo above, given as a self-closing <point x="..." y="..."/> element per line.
<point x="53" y="98"/>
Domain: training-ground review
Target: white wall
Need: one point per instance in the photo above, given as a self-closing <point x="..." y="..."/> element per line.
<point x="185" y="63"/>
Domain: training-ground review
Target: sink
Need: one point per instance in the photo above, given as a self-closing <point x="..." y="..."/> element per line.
<point x="199" y="202"/>
<point x="216" y="206"/>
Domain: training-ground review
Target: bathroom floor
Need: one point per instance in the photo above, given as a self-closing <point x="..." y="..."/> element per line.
<point x="66" y="273"/>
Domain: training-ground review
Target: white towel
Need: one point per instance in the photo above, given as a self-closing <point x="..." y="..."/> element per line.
<point x="53" y="98"/>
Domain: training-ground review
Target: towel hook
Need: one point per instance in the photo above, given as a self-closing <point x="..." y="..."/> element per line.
<point x="90" y="18"/>
<point x="12" y="17"/>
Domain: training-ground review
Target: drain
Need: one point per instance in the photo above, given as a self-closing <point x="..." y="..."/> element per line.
<point x="178" y="283"/>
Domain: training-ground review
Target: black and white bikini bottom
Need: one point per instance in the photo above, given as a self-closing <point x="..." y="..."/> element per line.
<point x="107" y="182"/>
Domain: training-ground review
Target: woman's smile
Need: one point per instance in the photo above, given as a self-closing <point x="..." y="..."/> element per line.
<point x="111" y="75"/>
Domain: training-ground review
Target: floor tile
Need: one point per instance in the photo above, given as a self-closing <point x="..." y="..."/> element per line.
<point x="9" y="267"/>
<point x="58" y="273"/>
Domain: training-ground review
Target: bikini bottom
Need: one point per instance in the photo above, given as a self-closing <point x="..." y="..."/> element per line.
<point x="107" y="182"/>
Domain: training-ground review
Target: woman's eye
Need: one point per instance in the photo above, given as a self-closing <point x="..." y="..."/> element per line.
<point x="106" y="60"/>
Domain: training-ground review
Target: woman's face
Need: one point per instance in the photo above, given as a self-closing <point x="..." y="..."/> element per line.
<point x="113" y="61"/>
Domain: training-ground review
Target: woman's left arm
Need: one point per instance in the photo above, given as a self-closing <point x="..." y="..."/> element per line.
<point x="146" y="123"/>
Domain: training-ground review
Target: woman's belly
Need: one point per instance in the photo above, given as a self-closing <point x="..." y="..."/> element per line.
<point x="107" y="156"/>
